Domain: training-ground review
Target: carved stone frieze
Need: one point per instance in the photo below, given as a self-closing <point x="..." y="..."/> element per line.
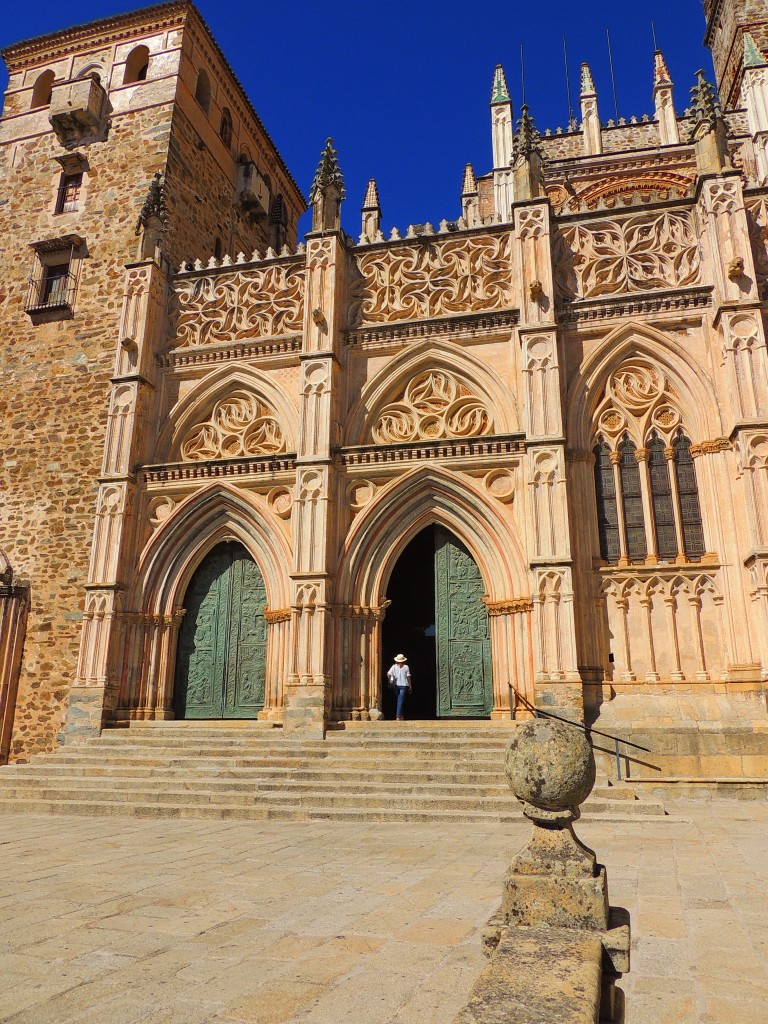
<point x="642" y="252"/>
<point x="240" y="425"/>
<point x="431" y="278"/>
<point x="433" y="405"/>
<point x="259" y="302"/>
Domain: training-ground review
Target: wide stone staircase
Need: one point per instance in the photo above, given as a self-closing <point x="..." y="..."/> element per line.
<point x="385" y="771"/>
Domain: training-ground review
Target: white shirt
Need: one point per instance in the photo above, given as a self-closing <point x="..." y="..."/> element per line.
<point x="401" y="674"/>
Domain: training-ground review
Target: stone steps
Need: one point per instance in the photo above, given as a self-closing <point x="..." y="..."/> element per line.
<point x="413" y="774"/>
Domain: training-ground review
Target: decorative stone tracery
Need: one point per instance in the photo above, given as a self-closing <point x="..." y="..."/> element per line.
<point x="431" y="278"/>
<point x="240" y="425"/>
<point x="638" y="253"/>
<point x="259" y="302"/>
<point x="434" y="404"/>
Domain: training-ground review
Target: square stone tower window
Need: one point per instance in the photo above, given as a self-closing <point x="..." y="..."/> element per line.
<point x="68" y="197"/>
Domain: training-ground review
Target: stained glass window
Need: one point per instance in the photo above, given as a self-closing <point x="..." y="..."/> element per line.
<point x="632" y="501"/>
<point x="690" y="510"/>
<point x="661" y="501"/>
<point x="607" y="512"/>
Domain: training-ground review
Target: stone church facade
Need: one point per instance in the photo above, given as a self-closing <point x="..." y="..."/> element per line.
<point x="240" y="472"/>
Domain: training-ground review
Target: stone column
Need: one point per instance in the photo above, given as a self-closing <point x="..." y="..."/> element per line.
<point x="94" y="695"/>
<point x="309" y="684"/>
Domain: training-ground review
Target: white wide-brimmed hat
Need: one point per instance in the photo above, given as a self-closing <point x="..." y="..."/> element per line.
<point x="400" y="657"/>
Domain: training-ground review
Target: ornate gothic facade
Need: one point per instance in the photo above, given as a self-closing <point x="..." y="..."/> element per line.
<point x="531" y="443"/>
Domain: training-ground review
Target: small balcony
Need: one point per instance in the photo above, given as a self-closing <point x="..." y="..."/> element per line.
<point x="79" y="110"/>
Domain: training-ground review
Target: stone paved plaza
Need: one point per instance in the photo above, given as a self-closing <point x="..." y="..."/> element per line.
<point x="116" y="921"/>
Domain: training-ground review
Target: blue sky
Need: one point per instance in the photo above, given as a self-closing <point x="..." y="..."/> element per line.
<point x="403" y="87"/>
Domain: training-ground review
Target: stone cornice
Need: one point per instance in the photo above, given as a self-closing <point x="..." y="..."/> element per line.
<point x="632" y="305"/>
<point x="54" y="45"/>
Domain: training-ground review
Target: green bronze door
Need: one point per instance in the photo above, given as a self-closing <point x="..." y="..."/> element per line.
<point x="221" y="664"/>
<point x="464" y="678"/>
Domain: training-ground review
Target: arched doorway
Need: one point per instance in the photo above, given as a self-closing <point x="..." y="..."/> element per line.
<point x="438" y="620"/>
<point x="221" y="662"/>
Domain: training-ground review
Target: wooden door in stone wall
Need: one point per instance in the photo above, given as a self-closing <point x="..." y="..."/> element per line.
<point x="221" y="663"/>
<point x="464" y="673"/>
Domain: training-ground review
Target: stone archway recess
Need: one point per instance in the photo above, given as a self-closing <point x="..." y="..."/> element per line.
<point x="147" y="655"/>
<point x="377" y="539"/>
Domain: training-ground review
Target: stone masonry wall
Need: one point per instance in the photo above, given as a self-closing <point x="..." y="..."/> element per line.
<point x="200" y="198"/>
<point x="54" y="383"/>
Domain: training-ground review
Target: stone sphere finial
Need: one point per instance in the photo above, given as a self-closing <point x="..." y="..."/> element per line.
<point x="550" y="768"/>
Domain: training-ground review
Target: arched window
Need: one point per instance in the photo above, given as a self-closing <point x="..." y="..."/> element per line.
<point x="136" y="66"/>
<point x="217" y="249"/>
<point x="43" y="88"/>
<point x="632" y="501"/>
<point x="661" y="500"/>
<point x="688" y="494"/>
<point x="203" y="90"/>
<point x="225" y="128"/>
<point x="607" y="511"/>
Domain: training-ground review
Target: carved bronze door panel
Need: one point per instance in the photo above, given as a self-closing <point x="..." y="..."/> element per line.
<point x="221" y="664"/>
<point x="464" y="675"/>
<point x="247" y="648"/>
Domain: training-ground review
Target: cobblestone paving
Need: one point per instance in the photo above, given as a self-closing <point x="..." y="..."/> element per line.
<point x="118" y="921"/>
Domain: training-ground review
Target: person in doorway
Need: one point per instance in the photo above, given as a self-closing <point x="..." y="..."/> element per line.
<point x="400" y="676"/>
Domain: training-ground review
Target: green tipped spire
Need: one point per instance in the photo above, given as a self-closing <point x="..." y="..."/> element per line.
<point x="753" y="58"/>
<point x="499" y="92"/>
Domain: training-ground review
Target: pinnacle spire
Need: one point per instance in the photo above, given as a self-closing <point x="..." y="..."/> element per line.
<point x="371" y="201"/>
<point x="707" y="113"/>
<point x="469" y="184"/>
<point x="587" y="81"/>
<point x="499" y="92"/>
<point x="661" y="75"/>
<point x="527" y="138"/>
<point x="154" y="204"/>
<point x="753" y="57"/>
<point x="328" y="173"/>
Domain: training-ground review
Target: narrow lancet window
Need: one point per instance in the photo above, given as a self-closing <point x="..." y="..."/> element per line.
<point x="632" y="501"/>
<point x="661" y="500"/>
<point x="607" y="511"/>
<point x="690" y="509"/>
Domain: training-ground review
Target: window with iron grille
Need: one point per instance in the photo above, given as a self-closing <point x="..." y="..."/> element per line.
<point x="661" y="501"/>
<point x="607" y="509"/>
<point x="690" y="510"/>
<point x="632" y="501"/>
<point x="68" y="198"/>
<point x="53" y="281"/>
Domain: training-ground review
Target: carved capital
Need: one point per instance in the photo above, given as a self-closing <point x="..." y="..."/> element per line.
<point x="277" y="615"/>
<point x="513" y="606"/>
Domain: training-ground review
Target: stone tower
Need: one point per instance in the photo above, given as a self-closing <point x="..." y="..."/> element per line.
<point x="727" y="21"/>
<point x="125" y="139"/>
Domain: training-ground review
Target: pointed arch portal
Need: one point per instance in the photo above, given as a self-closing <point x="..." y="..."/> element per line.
<point x="222" y="653"/>
<point x="438" y="619"/>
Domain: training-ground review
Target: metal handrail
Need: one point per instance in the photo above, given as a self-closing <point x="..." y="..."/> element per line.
<point x="541" y="713"/>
